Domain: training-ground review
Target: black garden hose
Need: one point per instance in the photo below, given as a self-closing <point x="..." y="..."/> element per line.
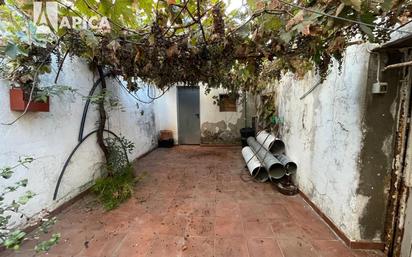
<point x="56" y="190"/>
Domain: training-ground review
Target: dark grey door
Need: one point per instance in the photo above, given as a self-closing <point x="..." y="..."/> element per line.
<point x="188" y="115"/>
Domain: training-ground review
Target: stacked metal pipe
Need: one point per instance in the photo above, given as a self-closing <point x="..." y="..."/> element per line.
<point x="255" y="167"/>
<point x="265" y="157"/>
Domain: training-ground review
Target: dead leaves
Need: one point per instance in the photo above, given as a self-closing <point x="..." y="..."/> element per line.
<point x="113" y="47"/>
<point x="172" y="51"/>
<point x="337" y="45"/>
<point x="298" y="18"/>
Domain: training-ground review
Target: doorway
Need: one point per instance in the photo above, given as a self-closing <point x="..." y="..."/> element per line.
<point x="188" y="115"/>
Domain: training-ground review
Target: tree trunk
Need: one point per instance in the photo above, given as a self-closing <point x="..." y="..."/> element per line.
<point x="102" y="115"/>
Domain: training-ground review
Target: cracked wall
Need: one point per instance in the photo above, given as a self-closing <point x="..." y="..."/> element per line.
<point x="222" y="127"/>
<point x="323" y="135"/>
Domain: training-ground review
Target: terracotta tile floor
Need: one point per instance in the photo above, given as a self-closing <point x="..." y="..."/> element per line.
<point x="193" y="203"/>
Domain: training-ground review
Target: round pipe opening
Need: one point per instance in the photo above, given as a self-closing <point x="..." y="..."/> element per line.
<point x="277" y="171"/>
<point x="262" y="174"/>
<point x="291" y="167"/>
<point x="277" y="147"/>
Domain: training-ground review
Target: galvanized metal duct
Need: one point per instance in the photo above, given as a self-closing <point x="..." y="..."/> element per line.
<point x="289" y="165"/>
<point x="270" y="142"/>
<point x="256" y="169"/>
<point x="273" y="166"/>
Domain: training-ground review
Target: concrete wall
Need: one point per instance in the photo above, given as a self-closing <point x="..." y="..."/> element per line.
<point x="323" y="133"/>
<point x="375" y="162"/>
<point x="216" y="127"/>
<point x="50" y="137"/>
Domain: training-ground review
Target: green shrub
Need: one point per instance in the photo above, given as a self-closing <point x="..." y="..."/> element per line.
<point x="114" y="190"/>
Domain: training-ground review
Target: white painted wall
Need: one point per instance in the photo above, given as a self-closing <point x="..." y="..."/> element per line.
<point x="210" y="112"/>
<point x="50" y="137"/>
<point x="323" y="135"/>
<point x="166" y="110"/>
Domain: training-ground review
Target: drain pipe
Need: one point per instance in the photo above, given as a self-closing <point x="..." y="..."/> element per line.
<point x="270" y="142"/>
<point x="254" y="166"/>
<point x="273" y="166"/>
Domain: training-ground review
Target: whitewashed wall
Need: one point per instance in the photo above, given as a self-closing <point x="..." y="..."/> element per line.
<point x="323" y="135"/>
<point x="224" y="126"/>
<point x="166" y="112"/>
<point x="50" y="137"/>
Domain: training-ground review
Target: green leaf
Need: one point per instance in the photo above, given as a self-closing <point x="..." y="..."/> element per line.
<point x="121" y="10"/>
<point x="367" y="17"/>
<point x="146" y="5"/>
<point x="272" y="22"/>
<point x="14" y="239"/>
<point x="46" y="245"/>
<point x="83" y="7"/>
<point x="11" y="50"/>
<point x="6" y="172"/>
<point x="26" y="197"/>
<point x="286" y="37"/>
<point x="251" y="4"/>
<point x="387" y="5"/>
<point x="368" y="31"/>
<point x="23" y="182"/>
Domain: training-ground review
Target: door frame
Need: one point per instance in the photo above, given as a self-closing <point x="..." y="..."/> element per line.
<point x="178" y="114"/>
<point x="399" y="191"/>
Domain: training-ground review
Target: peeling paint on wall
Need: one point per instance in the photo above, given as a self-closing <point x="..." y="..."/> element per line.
<point x="216" y="127"/>
<point x="50" y="137"/>
<point x="323" y="134"/>
<point x="220" y="132"/>
<point x="375" y="161"/>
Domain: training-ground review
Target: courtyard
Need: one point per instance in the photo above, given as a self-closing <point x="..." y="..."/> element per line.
<point x="195" y="201"/>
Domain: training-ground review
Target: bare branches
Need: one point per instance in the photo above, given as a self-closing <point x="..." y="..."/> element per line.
<point x="200" y="22"/>
<point x="184" y="7"/>
<point x="102" y="115"/>
<point x="61" y="66"/>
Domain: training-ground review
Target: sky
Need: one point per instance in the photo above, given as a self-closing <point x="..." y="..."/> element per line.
<point x="233" y="4"/>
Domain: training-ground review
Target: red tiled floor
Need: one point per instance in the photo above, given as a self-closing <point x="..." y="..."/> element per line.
<point x="201" y="226"/>
<point x="293" y="247"/>
<point x="193" y="203"/>
<point x="135" y="245"/>
<point x="170" y="246"/>
<point x="199" y="247"/>
<point x="231" y="247"/>
<point x="257" y="228"/>
<point x="228" y="226"/>
<point x="264" y="247"/>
